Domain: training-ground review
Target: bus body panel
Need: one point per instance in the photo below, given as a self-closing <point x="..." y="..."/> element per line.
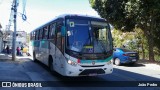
<point x="44" y="51"/>
<point x="58" y="59"/>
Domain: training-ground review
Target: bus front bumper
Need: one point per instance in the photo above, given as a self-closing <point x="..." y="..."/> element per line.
<point x="88" y="71"/>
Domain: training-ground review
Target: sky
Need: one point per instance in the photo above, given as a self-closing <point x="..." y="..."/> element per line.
<point x="39" y="12"/>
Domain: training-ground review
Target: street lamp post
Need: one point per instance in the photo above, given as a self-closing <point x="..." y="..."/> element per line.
<point x="14" y="33"/>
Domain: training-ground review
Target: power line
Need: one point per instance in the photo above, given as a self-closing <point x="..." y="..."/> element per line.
<point x="24" y="17"/>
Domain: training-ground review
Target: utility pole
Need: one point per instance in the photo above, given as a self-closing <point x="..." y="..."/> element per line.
<point x="14" y="8"/>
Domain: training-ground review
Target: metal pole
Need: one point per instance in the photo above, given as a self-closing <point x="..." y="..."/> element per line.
<point x="14" y="33"/>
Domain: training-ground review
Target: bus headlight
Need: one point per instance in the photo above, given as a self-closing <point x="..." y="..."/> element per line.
<point x="109" y="62"/>
<point x="72" y="63"/>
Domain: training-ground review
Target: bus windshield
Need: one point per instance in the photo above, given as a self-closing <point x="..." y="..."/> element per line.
<point x="88" y="36"/>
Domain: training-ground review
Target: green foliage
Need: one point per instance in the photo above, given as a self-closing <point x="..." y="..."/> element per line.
<point x="114" y="12"/>
<point x="126" y="15"/>
<point x="118" y="41"/>
<point x="127" y="39"/>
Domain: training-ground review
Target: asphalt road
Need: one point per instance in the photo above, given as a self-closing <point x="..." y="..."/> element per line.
<point x="26" y="70"/>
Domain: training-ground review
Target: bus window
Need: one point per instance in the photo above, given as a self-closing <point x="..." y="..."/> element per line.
<point x="41" y="34"/>
<point x="33" y="35"/>
<point x="37" y="34"/>
<point x="59" y="37"/>
<point x="102" y="36"/>
<point x="45" y="32"/>
<point x="52" y="31"/>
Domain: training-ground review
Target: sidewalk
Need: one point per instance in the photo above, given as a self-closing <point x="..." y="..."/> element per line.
<point x="8" y="57"/>
<point x="4" y="56"/>
<point x="150" y="65"/>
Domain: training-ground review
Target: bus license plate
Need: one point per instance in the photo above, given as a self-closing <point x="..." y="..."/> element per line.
<point x="133" y="59"/>
<point x="92" y="74"/>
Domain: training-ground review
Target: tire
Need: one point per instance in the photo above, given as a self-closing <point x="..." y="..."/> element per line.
<point x="132" y="64"/>
<point x="117" y="62"/>
<point x="34" y="57"/>
<point x="51" y="64"/>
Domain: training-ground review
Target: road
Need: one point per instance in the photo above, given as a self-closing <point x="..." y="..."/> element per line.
<point x="25" y="69"/>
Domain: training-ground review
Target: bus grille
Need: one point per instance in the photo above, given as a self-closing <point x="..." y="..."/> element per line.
<point x="92" y="71"/>
<point x="93" y="66"/>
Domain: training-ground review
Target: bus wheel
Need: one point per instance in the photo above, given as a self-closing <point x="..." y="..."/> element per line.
<point x="117" y="62"/>
<point x="34" y="57"/>
<point x="51" y="64"/>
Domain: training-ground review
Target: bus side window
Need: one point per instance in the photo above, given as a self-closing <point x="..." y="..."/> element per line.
<point x="58" y="36"/>
<point x="41" y="34"/>
<point x="33" y="35"/>
<point x="37" y="35"/>
<point x="52" y="31"/>
<point x="45" y="32"/>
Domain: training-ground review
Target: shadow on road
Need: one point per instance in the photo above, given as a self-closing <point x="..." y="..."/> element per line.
<point x="129" y="75"/>
<point x="134" y="65"/>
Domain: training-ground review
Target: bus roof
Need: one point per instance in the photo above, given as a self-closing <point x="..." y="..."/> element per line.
<point x="77" y="16"/>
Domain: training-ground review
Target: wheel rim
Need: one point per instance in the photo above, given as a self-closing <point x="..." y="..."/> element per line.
<point x="117" y="61"/>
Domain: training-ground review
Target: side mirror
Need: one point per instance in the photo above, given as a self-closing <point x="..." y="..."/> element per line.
<point x="63" y="30"/>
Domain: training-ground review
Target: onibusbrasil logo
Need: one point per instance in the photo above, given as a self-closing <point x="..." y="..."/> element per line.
<point x="21" y="84"/>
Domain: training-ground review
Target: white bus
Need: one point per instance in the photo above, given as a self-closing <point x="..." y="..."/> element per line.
<point x="74" y="45"/>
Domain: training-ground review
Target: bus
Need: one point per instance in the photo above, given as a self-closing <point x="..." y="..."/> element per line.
<point x="74" y="45"/>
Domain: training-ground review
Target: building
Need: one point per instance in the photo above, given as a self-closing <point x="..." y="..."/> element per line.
<point x="7" y="38"/>
<point x="21" y="38"/>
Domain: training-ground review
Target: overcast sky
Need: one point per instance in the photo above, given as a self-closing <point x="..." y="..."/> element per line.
<point x="40" y="11"/>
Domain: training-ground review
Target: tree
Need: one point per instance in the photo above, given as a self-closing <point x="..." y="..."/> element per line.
<point x="133" y="40"/>
<point x="125" y="15"/>
<point x="142" y="43"/>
